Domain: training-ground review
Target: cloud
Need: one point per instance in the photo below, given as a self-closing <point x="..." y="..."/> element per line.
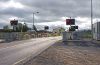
<point x="11" y="3"/>
<point x="62" y="7"/>
<point x="4" y="0"/>
<point x="50" y="11"/>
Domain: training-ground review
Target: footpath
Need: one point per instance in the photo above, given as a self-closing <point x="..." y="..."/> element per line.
<point x="69" y="53"/>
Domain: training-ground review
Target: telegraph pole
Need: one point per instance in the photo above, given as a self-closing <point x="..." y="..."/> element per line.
<point x="33" y="21"/>
<point x="34" y="28"/>
<point x="92" y="18"/>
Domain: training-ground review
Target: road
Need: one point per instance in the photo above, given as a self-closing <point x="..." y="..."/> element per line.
<point x="17" y="52"/>
<point x="69" y="53"/>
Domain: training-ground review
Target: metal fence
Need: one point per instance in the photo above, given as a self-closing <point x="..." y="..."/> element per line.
<point x="12" y="36"/>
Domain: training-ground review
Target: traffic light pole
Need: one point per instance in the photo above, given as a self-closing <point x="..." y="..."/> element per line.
<point x="70" y="32"/>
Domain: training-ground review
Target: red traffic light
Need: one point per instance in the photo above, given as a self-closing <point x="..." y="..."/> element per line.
<point x="70" y="21"/>
<point x="14" y="22"/>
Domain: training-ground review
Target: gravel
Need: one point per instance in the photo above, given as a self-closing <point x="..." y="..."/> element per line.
<point x="69" y="53"/>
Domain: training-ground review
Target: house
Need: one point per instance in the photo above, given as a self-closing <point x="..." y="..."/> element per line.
<point x="96" y="31"/>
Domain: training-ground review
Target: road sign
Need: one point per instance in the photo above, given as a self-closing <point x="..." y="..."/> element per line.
<point x="76" y="27"/>
<point x="70" y="21"/>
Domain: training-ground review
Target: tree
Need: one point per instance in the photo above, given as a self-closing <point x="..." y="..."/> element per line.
<point x="6" y="27"/>
<point x="61" y="30"/>
<point x="25" y="27"/>
<point x="22" y="27"/>
<point x="58" y="30"/>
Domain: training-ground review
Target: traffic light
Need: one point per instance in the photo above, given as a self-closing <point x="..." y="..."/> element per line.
<point x="46" y="27"/>
<point x="70" y="21"/>
<point x="13" y="22"/>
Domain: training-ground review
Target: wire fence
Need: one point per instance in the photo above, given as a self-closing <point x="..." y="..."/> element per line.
<point x="12" y="36"/>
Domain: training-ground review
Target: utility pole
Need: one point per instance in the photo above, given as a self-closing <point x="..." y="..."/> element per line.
<point x="33" y="22"/>
<point x="92" y="19"/>
<point x="34" y="28"/>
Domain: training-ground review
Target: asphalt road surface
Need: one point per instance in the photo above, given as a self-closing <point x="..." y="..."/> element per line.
<point x="75" y="52"/>
<point x="19" y="51"/>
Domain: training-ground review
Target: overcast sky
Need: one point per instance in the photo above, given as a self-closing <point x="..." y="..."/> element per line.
<point x="51" y="12"/>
